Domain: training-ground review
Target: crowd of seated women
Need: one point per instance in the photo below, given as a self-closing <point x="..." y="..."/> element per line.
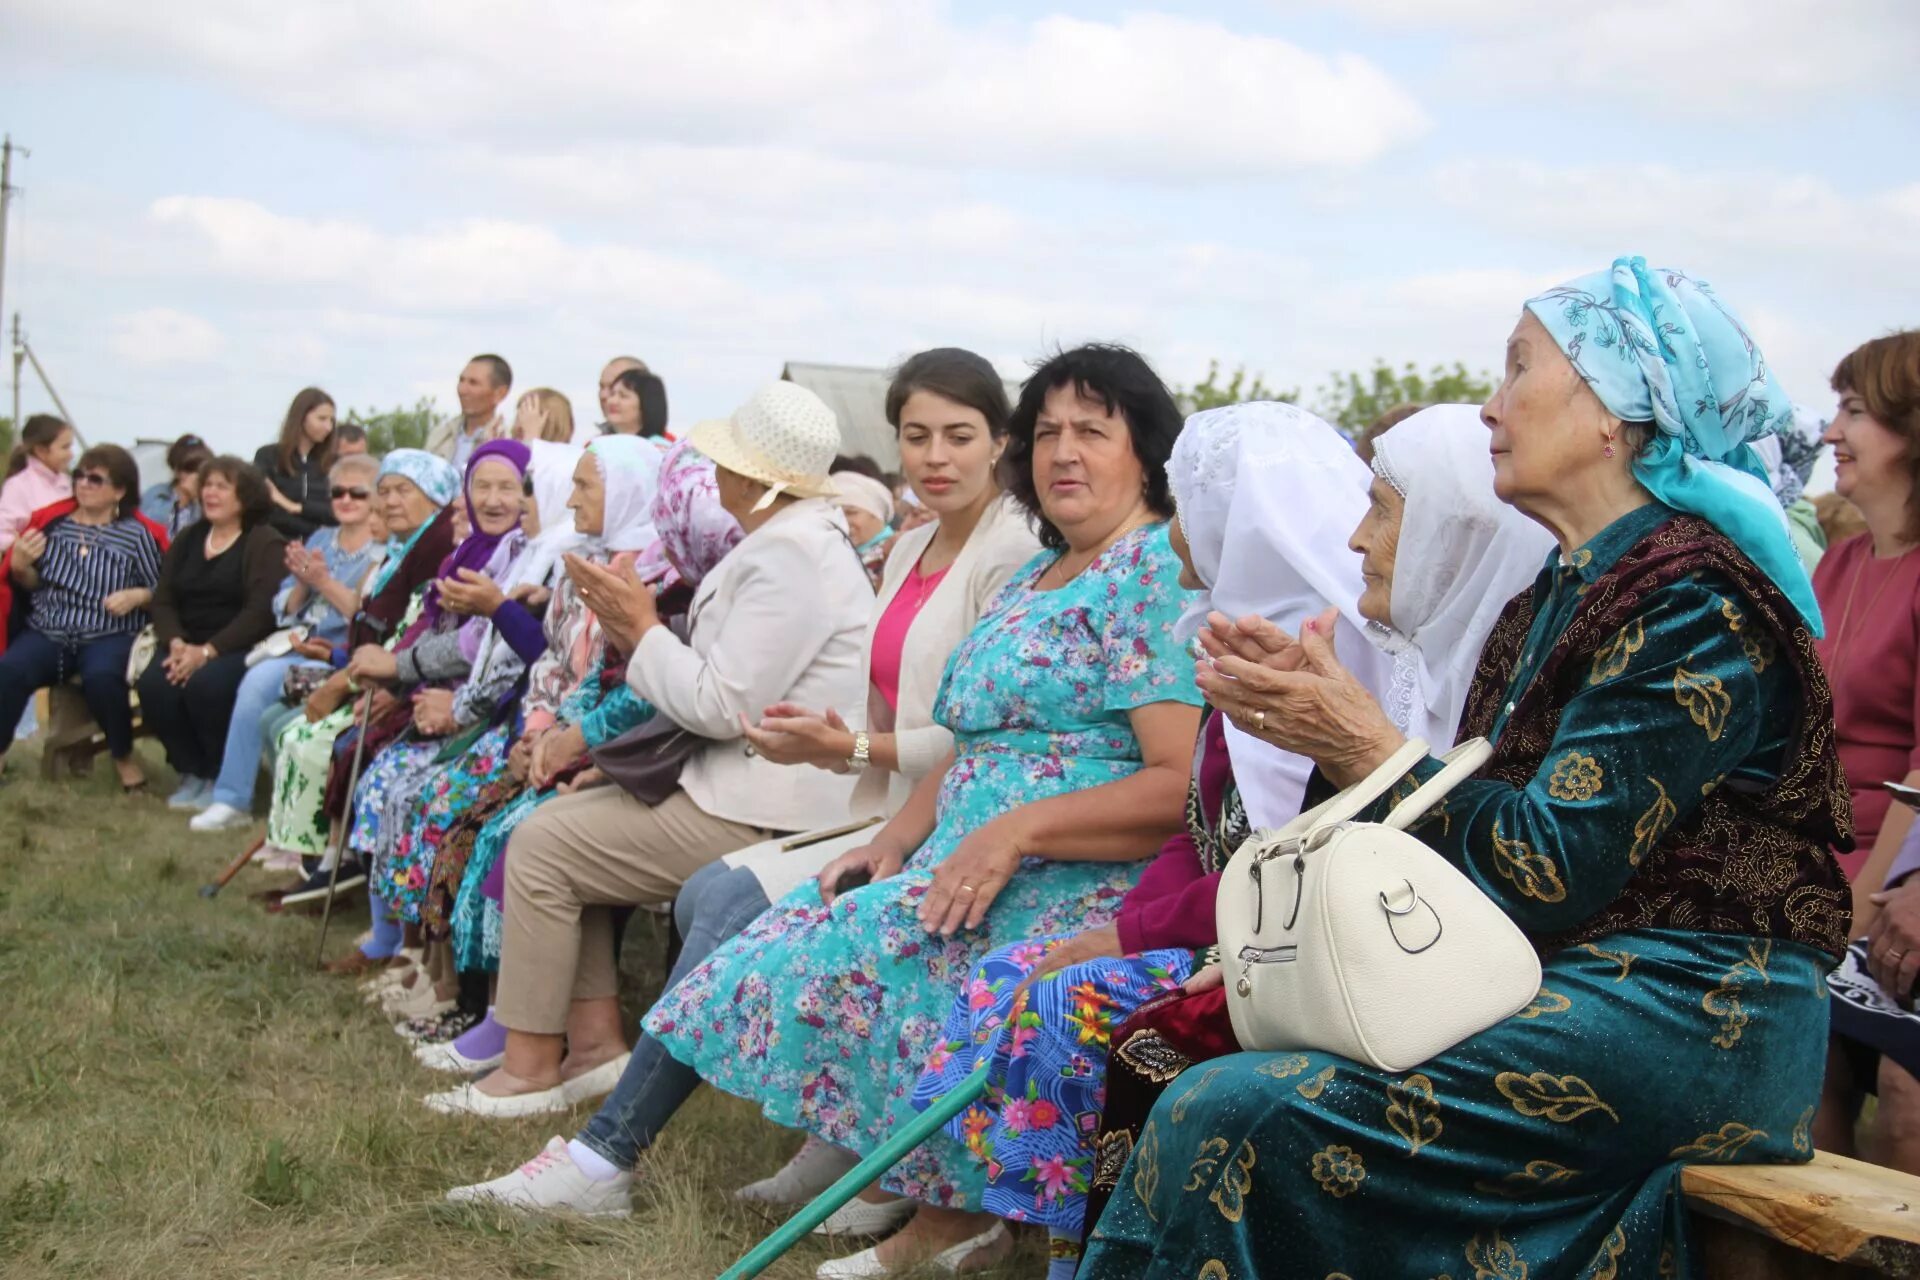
<point x="938" y="785"/>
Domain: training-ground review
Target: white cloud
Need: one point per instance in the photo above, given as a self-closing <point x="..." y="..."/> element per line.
<point x="1145" y="96"/>
<point x="162" y="336"/>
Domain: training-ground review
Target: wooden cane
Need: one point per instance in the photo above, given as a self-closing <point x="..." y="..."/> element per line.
<point x="346" y="829"/>
<point x="219" y="882"/>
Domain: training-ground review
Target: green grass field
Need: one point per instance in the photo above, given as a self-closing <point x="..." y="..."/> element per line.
<point x="181" y="1094"/>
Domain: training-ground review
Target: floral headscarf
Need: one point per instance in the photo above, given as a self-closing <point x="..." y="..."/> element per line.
<point x="693" y="527"/>
<point x="433" y="475"/>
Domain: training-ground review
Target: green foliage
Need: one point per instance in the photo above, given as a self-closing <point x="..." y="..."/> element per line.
<point x="6" y="436"/>
<point x="1211" y="393"/>
<point x="1350" y="401"/>
<point x="1353" y="400"/>
<point x="396" y="428"/>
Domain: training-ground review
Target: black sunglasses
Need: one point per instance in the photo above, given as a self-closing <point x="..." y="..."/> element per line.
<point x="351" y="491"/>
<point x="91" y="478"/>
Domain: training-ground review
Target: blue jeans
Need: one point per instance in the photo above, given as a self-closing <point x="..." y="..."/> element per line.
<point x="717" y="902"/>
<point x="34" y="661"/>
<point x="256" y="700"/>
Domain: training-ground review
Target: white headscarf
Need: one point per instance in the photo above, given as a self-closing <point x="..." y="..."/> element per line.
<point x="1463" y="555"/>
<point x="630" y="475"/>
<point x="1268" y="496"/>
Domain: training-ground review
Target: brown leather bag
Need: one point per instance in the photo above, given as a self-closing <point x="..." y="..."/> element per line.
<point x="647" y="766"/>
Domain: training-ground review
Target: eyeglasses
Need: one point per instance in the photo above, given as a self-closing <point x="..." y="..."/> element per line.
<point x="351" y="491"/>
<point x="91" y="478"/>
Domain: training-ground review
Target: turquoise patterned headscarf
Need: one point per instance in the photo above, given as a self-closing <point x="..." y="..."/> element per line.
<point x="1657" y="346"/>
<point x="434" y="475"/>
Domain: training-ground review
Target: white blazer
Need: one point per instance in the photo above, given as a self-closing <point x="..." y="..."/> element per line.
<point x="782" y="618"/>
<point x="1002" y="542"/>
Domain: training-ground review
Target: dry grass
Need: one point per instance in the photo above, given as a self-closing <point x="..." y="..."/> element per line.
<point x="182" y="1095"/>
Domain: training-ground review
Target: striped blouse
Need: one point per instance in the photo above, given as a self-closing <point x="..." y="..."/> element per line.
<point x="82" y="565"/>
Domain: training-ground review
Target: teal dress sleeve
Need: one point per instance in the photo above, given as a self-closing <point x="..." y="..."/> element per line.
<point x="1674" y="704"/>
<point x="1144" y="661"/>
<point x="582" y="698"/>
<point x="619" y="711"/>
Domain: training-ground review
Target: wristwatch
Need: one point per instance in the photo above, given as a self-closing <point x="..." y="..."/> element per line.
<point x="862" y="753"/>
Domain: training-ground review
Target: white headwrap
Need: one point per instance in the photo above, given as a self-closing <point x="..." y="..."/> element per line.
<point x="1268" y="496"/>
<point x="630" y="474"/>
<point x="864" y="493"/>
<point x="1463" y="555"/>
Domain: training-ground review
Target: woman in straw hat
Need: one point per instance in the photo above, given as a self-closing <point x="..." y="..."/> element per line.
<point x="781" y="619"/>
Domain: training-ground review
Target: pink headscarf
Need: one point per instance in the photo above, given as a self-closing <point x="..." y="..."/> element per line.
<point x="695" y="530"/>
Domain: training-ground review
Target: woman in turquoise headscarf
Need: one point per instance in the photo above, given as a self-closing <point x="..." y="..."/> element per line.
<point x="1657" y="816"/>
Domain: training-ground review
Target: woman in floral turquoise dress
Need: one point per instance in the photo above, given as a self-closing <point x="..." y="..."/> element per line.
<point x="1658" y="817"/>
<point x="1074" y="719"/>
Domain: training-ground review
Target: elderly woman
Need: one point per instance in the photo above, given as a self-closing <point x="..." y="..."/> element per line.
<point x="414" y="491"/>
<point x="1267" y="494"/>
<point x="755" y="639"/>
<point x="214" y="602"/>
<point x="320" y="593"/>
<point x="1657" y="817"/>
<point x="84" y="570"/>
<point x="1869" y="589"/>
<point x="868" y="507"/>
<point x="1072" y="725"/>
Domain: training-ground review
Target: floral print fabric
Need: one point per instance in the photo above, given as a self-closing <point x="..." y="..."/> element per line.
<point x="826" y="1015"/>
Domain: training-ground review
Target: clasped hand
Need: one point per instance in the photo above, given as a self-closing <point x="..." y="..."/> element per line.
<point x="1893" y="940"/>
<point x="471" y="594"/>
<point x="789" y="733"/>
<point x="182" y="660"/>
<point x="433" y="712"/>
<point x="622" y="603"/>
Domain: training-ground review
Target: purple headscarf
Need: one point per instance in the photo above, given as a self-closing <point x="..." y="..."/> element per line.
<point x="477" y="551"/>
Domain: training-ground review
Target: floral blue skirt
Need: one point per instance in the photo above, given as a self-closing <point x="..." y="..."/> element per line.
<point x="476" y="917"/>
<point x="1046" y="1078"/>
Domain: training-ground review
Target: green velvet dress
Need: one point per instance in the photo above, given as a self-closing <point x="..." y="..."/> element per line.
<point x="1550" y="1144"/>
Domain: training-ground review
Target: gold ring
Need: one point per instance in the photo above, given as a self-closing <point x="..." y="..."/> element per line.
<point x="1893" y="957"/>
<point x="1260" y="721"/>
<point x="966" y="888"/>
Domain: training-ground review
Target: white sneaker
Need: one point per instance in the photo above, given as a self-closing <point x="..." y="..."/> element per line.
<point x="814" y="1168"/>
<point x="469" y="1101"/>
<point x="444" y="1057"/>
<point x="866" y="1263"/>
<point x="597" y="1083"/>
<point x="859" y="1217"/>
<point x="552" y="1183"/>
<point x="220" y="817"/>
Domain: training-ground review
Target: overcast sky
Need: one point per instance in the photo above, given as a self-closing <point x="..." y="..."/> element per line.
<point x="228" y="200"/>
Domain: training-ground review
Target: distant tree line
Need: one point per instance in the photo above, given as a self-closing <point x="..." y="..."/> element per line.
<point x="1350" y="401"/>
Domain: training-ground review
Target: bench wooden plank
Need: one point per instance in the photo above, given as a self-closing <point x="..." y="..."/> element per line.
<point x="1834" y="1208"/>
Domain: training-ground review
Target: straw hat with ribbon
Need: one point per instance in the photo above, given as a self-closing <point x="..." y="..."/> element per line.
<point x="785" y="437"/>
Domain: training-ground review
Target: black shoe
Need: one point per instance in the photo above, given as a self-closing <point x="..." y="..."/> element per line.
<point x="352" y="876"/>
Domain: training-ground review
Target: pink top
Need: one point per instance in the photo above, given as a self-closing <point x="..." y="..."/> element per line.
<point x="890" y="633"/>
<point x="36" y="487"/>
<point x="1871" y="651"/>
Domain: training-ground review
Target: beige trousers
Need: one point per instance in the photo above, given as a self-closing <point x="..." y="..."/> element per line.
<point x="568" y="865"/>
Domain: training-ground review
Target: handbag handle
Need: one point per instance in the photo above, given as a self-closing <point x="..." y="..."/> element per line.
<point x="1455" y="767"/>
<point x="1346" y="805"/>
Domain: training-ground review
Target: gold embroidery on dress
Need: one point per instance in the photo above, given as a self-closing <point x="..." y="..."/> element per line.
<point x="1493" y="1257"/>
<point x="1704" y="698"/>
<point x="1652" y="824"/>
<point x="1230" y="1197"/>
<point x="1612" y="658"/>
<point x="1606" y="1263"/>
<point x="1280" y="1068"/>
<point x="1533" y="874"/>
<point x="1803" y="1131"/>
<point x="1179" y="1112"/>
<point x="1723" y="1002"/>
<point x="1213" y="1269"/>
<point x="1339" y="1171"/>
<point x="1538" y="1176"/>
<point x="1722" y="1144"/>
<point x="1110" y="1157"/>
<point x="1311" y="1089"/>
<point x="1205" y="1162"/>
<point x="1413" y="1112"/>
<point x="1624" y="959"/>
<point x="1561" y="1099"/>
<point x="1546" y="1002"/>
<point x="1146" y="1169"/>
<point x="1576" y="777"/>
<point x="1151" y="1055"/>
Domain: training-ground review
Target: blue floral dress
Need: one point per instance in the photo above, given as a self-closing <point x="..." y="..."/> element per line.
<point x="825" y="1016"/>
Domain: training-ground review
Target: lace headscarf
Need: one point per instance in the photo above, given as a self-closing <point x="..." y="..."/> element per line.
<point x="630" y="469"/>
<point x="1463" y="555"/>
<point x="1268" y="496"/>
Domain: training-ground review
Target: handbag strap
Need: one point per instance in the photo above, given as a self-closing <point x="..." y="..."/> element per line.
<point x="1455" y="767"/>
<point x="1347" y="805"/>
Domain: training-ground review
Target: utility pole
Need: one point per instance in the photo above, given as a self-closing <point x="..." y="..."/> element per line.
<point x="6" y="206"/>
<point x="19" y="357"/>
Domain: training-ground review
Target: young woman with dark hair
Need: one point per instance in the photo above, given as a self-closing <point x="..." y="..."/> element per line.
<point x="213" y="603"/>
<point x="83" y="571"/>
<point x="296" y="465"/>
<point x="174" y="502"/>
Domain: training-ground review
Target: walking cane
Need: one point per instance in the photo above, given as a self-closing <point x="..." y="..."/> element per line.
<point x="889" y="1153"/>
<point x="346" y="826"/>
<point x="219" y="882"/>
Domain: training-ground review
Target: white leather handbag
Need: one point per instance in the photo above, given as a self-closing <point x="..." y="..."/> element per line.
<point x="1355" y="938"/>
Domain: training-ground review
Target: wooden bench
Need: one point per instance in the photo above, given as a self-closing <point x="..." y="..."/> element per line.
<point x="71" y="738"/>
<point x="1825" y="1220"/>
